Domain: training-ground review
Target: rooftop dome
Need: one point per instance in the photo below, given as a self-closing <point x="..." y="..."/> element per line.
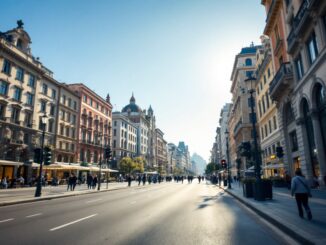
<point x="132" y="107"/>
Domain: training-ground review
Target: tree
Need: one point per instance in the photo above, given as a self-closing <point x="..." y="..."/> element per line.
<point x="211" y="168"/>
<point x="127" y="165"/>
<point x="139" y="162"/>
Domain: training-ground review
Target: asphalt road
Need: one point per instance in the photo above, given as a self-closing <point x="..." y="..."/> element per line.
<point x="167" y="213"/>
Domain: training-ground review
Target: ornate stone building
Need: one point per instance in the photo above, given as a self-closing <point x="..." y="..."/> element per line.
<point x="94" y="123"/>
<point x="240" y="121"/>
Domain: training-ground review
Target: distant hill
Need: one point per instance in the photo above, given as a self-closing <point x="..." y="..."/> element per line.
<point x="200" y="163"/>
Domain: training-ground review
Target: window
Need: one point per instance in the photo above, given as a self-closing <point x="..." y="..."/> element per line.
<point x="270" y="126"/>
<point x="61" y="129"/>
<point x="54" y="94"/>
<point x="249" y="73"/>
<point x="15" y="114"/>
<point x="312" y="48"/>
<point x="91" y="101"/>
<point x="267" y="100"/>
<point x="268" y="74"/>
<point x="43" y="106"/>
<point x="2" y="111"/>
<point x="75" y="105"/>
<point x="28" y="119"/>
<point x="20" y="74"/>
<point x="263" y="102"/>
<point x="294" y="141"/>
<point x="67" y="131"/>
<point x="248" y="62"/>
<point x="114" y="132"/>
<point x="73" y="133"/>
<point x="52" y="110"/>
<point x="63" y="99"/>
<point x="74" y="119"/>
<point x="50" y="127"/>
<point x="31" y="81"/>
<point x="265" y="80"/>
<point x="274" y="122"/>
<point x="45" y="89"/>
<point x="63" y="114"/>
<point x="299" y="67"/>
<point x="6" y="68"/>
<point x="3" y="87"/>
<point x="69" y="102"/>
<point x="97" y="105"/>
<point x="266" y="132"/>
<point x="29" y="99"/>
<point x="114" y="143"/>
<point x="17" y="94"/>
<point x="68" y="117"/>
<point x="259" y="105"/>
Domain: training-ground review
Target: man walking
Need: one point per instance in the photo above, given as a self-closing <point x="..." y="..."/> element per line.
<point x="301" y="189"/>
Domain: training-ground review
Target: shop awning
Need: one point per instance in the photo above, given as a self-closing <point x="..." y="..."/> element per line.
<point x="10" y="163"/>
<point x="274" y="166"/>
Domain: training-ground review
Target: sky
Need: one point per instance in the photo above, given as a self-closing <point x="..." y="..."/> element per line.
<point x="175" y="55"/>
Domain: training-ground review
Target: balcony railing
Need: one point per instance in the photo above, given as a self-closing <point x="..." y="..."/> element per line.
<point x="283" y="74"/>
<point x="302" y="13"/>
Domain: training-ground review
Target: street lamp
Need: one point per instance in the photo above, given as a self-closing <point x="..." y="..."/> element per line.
<point x="100" y="165"/>
<point x="250" y="81"/>
<point x="228" y="158"/>
<point x="38" y="191"/>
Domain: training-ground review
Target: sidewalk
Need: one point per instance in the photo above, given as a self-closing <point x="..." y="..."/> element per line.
<point x="25" y="195"/>
<point x="282" y="212"/>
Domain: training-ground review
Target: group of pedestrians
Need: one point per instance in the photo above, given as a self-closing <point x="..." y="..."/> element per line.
<point x="91" y="181"/>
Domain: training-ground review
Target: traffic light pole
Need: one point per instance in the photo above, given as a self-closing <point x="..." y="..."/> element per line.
<point x="38" y="191"/>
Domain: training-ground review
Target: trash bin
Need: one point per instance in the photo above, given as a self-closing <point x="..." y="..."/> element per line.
<point x="225" y="182"/>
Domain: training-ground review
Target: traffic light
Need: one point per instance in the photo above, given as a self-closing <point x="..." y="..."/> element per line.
<point x="246" y="149"/>
<point x="223" y="163"/>
<point x="108" y="153"/>
<point x="279" y="151"/>
<point x="37" y="155"/>
<point x="47" y="155"/>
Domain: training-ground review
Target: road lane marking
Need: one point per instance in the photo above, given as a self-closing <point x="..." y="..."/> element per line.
<point x="73" y="222"/>
<point x="95" y="200"/>
<point x="5" y="220"/>
<point x="33" y="215"/>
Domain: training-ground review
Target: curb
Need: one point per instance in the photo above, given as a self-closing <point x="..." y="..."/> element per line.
<point x="46" y="198"/>
<point x="293" y="234"/>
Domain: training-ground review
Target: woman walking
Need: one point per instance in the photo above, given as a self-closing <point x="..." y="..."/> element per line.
<point x="301" y="190"/>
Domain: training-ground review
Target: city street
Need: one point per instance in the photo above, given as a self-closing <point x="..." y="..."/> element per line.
<point x="167" y="213"/>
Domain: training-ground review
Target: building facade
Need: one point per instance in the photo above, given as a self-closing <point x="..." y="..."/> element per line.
<point x="240" y="122"/>
<point x="124" y="137"/>
<point x="267" y="113"/>
<point x="94" y="123"/>
<point x="224" y="119"/>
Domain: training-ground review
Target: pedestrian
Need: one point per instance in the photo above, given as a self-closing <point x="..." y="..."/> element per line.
<point x="4" y="183"/>
<point x="69" y="183"/>
<point x="301" y="190"/>
<point x="73" y="181"/>
<point x="199" y="179"/>
<point x="129" y="180"/>
<point x="94" y="182"/>
<point x="139" y="179"/>
<point x="144" y="179"/>
<point x="89" y="181"/>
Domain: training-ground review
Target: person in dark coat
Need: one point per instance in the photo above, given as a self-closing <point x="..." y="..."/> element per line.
<point x="139" y="179"/>
<point x="89" y="181"/>
<point x="94" y="183"/>
<point x="144" y="179"/>
<point x="129" y="180"/>
<point x="73" y="181"/>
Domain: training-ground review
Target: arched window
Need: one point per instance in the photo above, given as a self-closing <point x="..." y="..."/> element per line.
<point x="88" y="156"/>
<point x="248" y="62"/>
<point x="19" y="43"/>
<point x="310" y="137"/>
<point x="321" y="106"/>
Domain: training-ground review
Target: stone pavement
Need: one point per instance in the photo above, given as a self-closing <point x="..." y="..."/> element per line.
<point x="282" y="212"/>
<point x="26" y="194"/>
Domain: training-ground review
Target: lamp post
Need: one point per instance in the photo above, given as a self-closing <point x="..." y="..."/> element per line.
<point x="38" y="191"/>
<point x="250" y="83"/>
<point x="100" y="165"/>
<point x="228" y="158"/>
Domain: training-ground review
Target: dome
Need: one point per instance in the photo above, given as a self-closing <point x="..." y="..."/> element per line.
<point x="132" y="107"/>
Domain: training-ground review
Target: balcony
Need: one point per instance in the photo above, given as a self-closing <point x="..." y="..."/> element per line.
<point x="281" y="82"/>
<point x="300" y="23"/>
<point x="271" y="16"/>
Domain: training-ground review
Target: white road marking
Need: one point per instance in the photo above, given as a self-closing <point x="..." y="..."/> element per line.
<point x="33" y="215"/>
<point x="5" y="220"/>
<point x="95" y="200"/>
<point x="73" y="222"/>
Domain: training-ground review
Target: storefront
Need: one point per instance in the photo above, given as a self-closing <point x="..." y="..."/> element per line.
<point x="11" y="170"/>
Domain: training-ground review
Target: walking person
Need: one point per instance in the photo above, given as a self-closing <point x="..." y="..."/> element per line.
<point x="73" y="181"/>
<point x="129" y="180"/>
<point x="300" y="188"/>
<point x="89" y="181"/>
<point x="94" y="183"/>
<point x="144" y="179"/>
<point x="139" y="179"/>
<point x="69" y="183"/>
